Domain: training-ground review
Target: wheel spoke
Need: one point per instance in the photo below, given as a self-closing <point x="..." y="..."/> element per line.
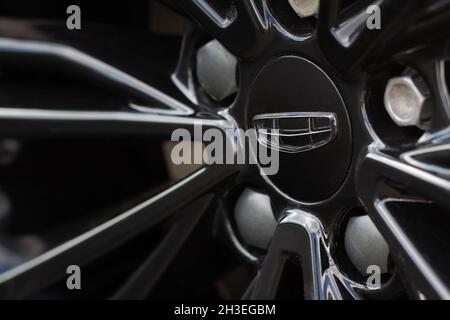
<point x="429" y="25"/>
<point x="377" y="166"/>
<point x="408" y="200"/>
<point x="24" y="122"/>
<point x="42" y="271"/>
<point x="142" y="281"/>
<point x="183" y="77"/>
<point x="433" y="70"/>
<point x="148" y="110"/>
<point x="60" y="56"/>
<point x="350" y="44"/>
<point x="240" y="27"/>
<point x="145" y="102"/>
<point x="300" y="236"/>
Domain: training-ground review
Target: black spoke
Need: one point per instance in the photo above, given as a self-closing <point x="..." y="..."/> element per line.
<point x="26" y="122"/>
<point x="142" y="281"/>
<point x="404" y="26"/>
<point x="239" y="27"/>
<point x="429" y="25"/>
<point x="138" y="108"/>
<point x="433" y="70"/>
<point x="39" y="51"/>
<point x="377" y="165"/>
<point x="301" y="244"/>
<point x="295" y="240"/>
<point x="40" y="272"/>
<point x="183" y="77"/>
<point x="83" y="65"/>
<point x="407" y="198"/>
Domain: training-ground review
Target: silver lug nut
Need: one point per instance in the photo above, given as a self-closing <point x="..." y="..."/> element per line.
<point x="405" y="100"/>
<point x="254" y="218"/>
<point x="365" y="245"/>
<point x="216" y="70"/>
<point x="305" y="8"/>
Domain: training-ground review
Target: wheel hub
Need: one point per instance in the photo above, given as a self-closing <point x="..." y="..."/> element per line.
<point x="290" y="85"/>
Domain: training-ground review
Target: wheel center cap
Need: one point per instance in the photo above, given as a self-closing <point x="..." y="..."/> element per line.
<point x="294" y="96"/>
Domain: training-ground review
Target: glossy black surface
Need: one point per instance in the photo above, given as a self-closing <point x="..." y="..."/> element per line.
<point x="306" y="70"/>
<point x="293" y="84"/>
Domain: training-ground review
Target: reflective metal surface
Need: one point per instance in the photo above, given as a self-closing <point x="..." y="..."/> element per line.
<point x="216" y="70"/>
<point x="295" y="132"/>
<point x="254" y="218"/>
<point x="324" y="279"/>
<point x="365" y="245"/>
<point x="405" y="101"/>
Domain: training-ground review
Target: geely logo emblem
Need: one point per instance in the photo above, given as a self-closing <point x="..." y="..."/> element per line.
<point x="295" y="132"/>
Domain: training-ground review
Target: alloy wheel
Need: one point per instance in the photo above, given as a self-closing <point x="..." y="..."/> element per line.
<point x="325" y="64"/>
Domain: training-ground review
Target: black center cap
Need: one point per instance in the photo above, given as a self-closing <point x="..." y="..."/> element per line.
<point x="290" y="86"/>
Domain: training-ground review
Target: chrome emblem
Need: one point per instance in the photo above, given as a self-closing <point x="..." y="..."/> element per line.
<point x="295" y="132"/>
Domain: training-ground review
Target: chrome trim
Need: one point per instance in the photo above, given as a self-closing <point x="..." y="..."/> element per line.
<point x="224" y="22"/>
<point x="410" y="170"/>
<point x="349" y="30"/>
<point x="377" y="143"/>
<point x="409" y="157"/>
<point x="293" y="115"/>
<point x="442" y="85"/>
<point x="325" y="285"/>
<point x="62" y="115"/>
<point x="213" y="15"/>
<point x="263" y="17"/>
<point x="267" y="178"/>
<point x="443" y="134"/>
<point x="273" y="137"/>
<point x="72" y="55"/>
<point x="188" y="88"/>
<point x="278" y="134"/>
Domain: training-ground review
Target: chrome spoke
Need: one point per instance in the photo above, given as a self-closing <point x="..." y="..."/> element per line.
<point x="301" y="236"/>
<point x="15" y="121"/>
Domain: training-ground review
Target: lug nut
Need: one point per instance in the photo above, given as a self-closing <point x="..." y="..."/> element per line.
<point x="365" y="245"/>
<point x="216" y="70"/>
<point x="305" y="8"/>
<point x="405" y="100"/>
